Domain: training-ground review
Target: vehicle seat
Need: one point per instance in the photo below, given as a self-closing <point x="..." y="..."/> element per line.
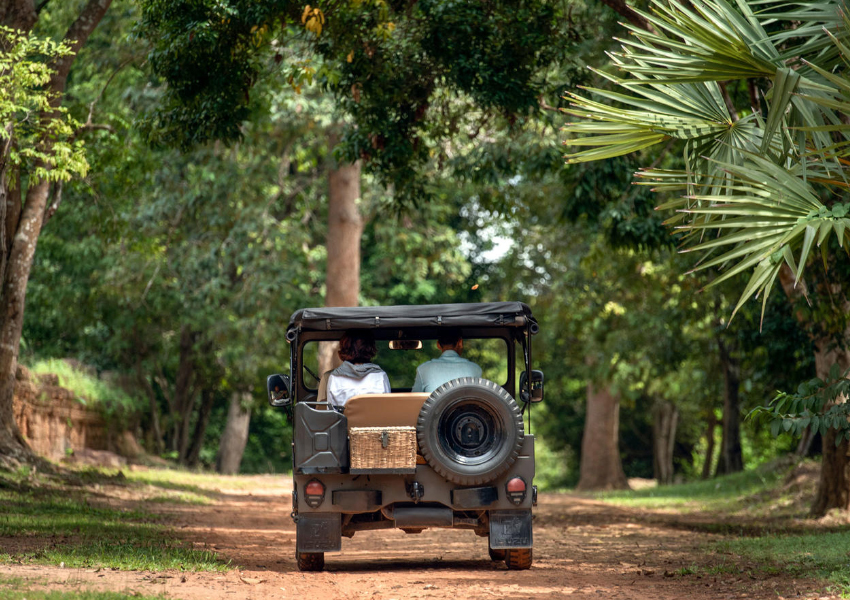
<point x="385" y="410"/>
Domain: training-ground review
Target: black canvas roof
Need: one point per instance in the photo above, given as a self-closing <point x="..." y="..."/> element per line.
<point x="480" y="314"/>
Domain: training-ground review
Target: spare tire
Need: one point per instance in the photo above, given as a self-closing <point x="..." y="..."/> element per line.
<point x="470" y="430"/>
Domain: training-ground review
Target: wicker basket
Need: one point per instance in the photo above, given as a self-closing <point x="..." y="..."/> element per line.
<point x="384" y="448"/>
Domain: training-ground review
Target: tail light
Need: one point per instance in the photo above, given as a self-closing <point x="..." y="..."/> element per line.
<point x="314" y="493"/>
<point x="516" y="490"/>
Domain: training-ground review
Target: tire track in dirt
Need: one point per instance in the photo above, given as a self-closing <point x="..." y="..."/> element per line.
<point x="582" y="549"/>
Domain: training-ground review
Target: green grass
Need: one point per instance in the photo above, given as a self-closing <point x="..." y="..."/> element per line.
<point x="56" y="526"/>
<point x="180" y="498"/>
<point x="823" y="555"/>
<point x="723" y="494"/>
<point x="18" y="593"/>
<point x="770" y="540"/>
<point x="89" y="390"/>
<point x="188" y="481"/>
<point x="17" y="588"/>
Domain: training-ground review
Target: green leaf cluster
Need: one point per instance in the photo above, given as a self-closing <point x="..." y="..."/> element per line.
<point x="817" y="405"/>
<point x="29" y="112"/>
<point x="765" y="177"/>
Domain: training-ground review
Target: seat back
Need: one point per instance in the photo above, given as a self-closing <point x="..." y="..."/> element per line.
<point x="384" y="410"/>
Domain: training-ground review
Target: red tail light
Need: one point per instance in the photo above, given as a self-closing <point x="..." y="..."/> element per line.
<point x="315" y="488"/>
<point x="516" y="489"/>
<point x="516" y="485"/>
<point x="314" y="493"/>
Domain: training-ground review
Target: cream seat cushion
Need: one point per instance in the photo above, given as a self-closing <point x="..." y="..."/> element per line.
<point x="384" y="410"/>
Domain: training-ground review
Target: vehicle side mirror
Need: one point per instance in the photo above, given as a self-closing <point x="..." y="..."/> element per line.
<point x="279" y="390"/>
<point x="536" y="392"/>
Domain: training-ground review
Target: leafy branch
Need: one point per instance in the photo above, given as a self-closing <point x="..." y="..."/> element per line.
<point x="817" y="404"/>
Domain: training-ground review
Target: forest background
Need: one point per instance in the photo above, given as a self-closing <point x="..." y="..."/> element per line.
<point x="243" y="160"/>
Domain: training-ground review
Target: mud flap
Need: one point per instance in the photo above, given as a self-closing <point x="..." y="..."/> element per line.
<point x="510" y="529"/>
<point x="319" y="533"/>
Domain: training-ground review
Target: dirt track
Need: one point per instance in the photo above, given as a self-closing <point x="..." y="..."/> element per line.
<point x="583" y="549"/>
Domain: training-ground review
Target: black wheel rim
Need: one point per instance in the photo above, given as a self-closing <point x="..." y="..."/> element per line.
<point x="470" y="432"/>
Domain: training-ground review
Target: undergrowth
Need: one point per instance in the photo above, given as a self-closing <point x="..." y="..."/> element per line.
<point x="88" y="389"/>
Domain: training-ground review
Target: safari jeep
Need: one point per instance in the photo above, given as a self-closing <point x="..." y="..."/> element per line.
<point x="459" y="457"/>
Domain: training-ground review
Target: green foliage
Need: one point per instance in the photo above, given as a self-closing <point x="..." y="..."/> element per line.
<point x="29" y="111"/>
<point x="110" y="400"/>
<point x="765" y="184"/>
<point x="817" y="404"/>
<point x="395" y="71"/>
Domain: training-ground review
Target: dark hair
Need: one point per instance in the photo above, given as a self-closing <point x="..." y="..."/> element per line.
<point x="449" y="339"/>
<point x="357" y="346"/>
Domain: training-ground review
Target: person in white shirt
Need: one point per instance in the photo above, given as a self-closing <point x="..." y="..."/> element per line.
<point x="357" y="374"/>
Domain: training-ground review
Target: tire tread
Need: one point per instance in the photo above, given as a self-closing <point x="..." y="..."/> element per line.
<point x="310" y="561"/>
<point x="425" y="417"/>
<point x="518" y="559"/>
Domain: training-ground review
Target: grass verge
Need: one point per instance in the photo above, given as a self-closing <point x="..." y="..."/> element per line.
<point x="774" y="534"/>
<point x="722" y="494"/>
<point x="61" y="525"/>
<point x="823" y="555"/>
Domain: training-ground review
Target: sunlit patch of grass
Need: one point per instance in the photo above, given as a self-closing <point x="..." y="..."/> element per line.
<point x="188" y="481"/>
<point x="16" y="589"/>
<point x="88" y="388"/>
<point x="823" y="555"/>
<point x="180" y="498"/>
<point x="57" y="527"/>
<point x="721" y="494"/>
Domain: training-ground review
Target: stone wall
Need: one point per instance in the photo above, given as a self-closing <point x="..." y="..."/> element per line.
<point x="53" y="421"/>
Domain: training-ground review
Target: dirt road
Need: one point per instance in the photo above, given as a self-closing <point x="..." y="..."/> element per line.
<point x="583" y="549"/>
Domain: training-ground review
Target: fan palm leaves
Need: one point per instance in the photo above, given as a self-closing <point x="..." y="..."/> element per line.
<point x="757" y="192"/>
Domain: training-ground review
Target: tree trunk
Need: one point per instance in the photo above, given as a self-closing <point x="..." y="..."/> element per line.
<point x="235" y="435"/>
<point x="12" y="297"/>
<point x="709" y="451"/>
<point x="663" y="439"/>
<point x="21" y="230"/>
<point x="207" y="401"/>
<point x="601" y="468"/>
<point x="731" y="458"/>
<point x="834" y="484"/>
<point x="156" y="428"/>
<point x="804" y="446"/>
<point x="345" y="229"/>
<point x="184" y="392"/>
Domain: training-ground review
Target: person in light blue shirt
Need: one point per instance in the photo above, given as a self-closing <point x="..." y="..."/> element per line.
<point x="434" y="373"/>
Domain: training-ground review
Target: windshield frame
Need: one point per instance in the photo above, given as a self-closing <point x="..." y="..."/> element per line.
<point x="303" y="393"/>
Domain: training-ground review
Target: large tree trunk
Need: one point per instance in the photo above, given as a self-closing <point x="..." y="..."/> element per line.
<point x="345" y="229"/>
<point x="235" y="435"/>
<point x="12" y="297"/>
<point x="22" y="222"/>
<point x="601" y="468"/>
<point x="663" y="440"/>
<point x="731" y="459"/>
<point x="834" y="484"/>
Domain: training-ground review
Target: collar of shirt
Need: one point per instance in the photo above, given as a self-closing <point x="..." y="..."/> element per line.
<point x="450" y="355"/>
